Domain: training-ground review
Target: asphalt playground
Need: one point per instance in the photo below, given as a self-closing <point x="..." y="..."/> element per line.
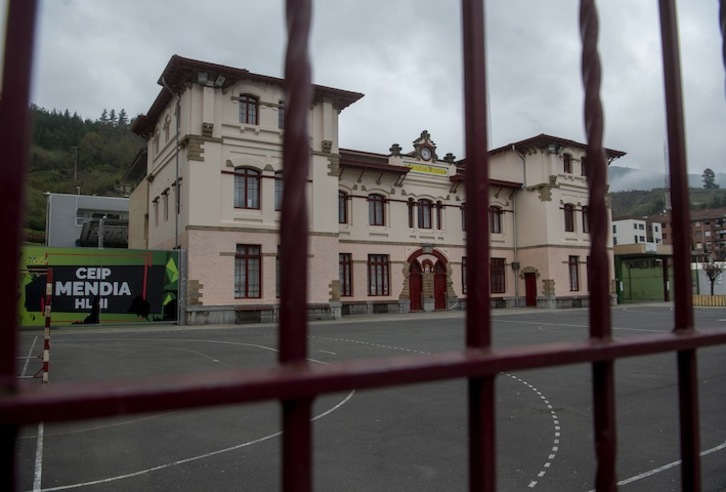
<point x="411" y="438"/>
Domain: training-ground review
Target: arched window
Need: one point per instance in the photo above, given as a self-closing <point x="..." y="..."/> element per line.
<point x="411" y="212"/>
<point x="569" y="217"/>
<point x="249" y="106"/>
<point x="495" y="220"/>
<point x="585" y="220"/>
<point x="246" y="188"/>
<point x="376" y="209"/>
<point x="424" y="213"/>
<point x="567" y="163"/>
<point x="342" y="207"/>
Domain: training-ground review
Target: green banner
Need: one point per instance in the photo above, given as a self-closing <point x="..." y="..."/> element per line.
<point x="92" y="286"/>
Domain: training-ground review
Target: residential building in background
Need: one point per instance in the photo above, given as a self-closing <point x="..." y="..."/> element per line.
<point x="387" y="229"/>
<point x="637" y="231"/>
<point x="708" y="232"/>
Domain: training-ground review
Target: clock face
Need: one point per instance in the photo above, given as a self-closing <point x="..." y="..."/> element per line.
<point x="425" y="153"/>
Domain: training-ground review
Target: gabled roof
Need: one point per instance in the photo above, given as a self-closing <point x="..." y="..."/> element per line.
<point x="369" y="161"/>
<point x="543" y="141"/>
<point x="460" y="177"/>
<point x="181" y="71"/>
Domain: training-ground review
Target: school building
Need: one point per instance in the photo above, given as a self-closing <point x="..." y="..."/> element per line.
<point x="387" y="228"/>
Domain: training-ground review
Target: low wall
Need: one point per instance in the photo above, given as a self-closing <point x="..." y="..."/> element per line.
<point x="704" y="300"/>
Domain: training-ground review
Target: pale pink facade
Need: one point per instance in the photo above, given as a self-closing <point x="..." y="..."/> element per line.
<point x="386" y="230"/>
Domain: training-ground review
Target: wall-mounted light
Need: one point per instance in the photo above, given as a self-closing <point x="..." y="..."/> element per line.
<point x="219" y="81"/>
<point x="552" y="148"/>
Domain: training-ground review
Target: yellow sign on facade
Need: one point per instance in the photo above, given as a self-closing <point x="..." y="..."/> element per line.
<point x="426" y="169"/>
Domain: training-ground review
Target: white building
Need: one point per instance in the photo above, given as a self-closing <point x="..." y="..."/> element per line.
<point x="637" y="231"/>
<point x="75" y="220"/>
<point x="387" y="230"/>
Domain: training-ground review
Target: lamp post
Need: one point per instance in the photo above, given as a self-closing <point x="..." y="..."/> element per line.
<point x="100" y="231"/>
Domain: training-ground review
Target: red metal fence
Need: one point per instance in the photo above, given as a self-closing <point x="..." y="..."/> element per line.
<point x="295" y="383"/>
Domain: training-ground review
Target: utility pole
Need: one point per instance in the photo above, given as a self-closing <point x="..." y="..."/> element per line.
<point x="75" y="165"/>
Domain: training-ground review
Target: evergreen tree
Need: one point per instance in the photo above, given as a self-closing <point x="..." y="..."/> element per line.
<point x="123" y="119"/>
<point x="709" y="179"/>
<point x="105" y="151"/>
<point x="112" y="117"/>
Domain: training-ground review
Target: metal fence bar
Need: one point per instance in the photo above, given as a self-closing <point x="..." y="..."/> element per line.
<point x="293" y="381"/>
<point x="722" y="23"/>
<point x="296" y="414"/>
<point x="603" y="374"/>
<point x="687" y="364"/>
<point x="14" y="140"/>
<point x="76" y="401"/>
<point x="481" y="397"/>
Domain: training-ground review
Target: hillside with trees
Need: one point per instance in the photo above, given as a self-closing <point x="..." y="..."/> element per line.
<point x="643" y="203"/>
<point x="72" y="155"/>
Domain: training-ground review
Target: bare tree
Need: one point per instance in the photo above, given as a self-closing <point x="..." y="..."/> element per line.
<point x="713" y="270"/>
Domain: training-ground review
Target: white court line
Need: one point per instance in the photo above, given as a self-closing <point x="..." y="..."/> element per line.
<point x="191" y="458"/>
<point x="665" y="467"/>
<point x="194" y="458"/>
<point x="38" y="472"/>
<point x="38" y="475"/>
<point x="572" y="325"/>
<point x="27" y="359"/>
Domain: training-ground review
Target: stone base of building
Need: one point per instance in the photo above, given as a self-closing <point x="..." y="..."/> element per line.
<point x="270" y="313"/>
<point x="566" y="302"/>
<point x="254" y="313"/>
<point x="353" y="308"/>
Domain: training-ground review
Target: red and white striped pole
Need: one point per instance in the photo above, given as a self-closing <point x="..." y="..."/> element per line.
<point x="46" y="312"/>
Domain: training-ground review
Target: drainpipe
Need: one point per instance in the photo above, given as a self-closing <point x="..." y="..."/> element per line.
<point x="514" y="214"/>
<point x="176" y="204"/>
<point x="180" y="302"/>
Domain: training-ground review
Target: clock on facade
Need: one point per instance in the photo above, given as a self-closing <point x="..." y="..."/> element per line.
<point x="425" y="153"/>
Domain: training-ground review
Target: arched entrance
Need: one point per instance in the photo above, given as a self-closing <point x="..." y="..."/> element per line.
<point x="427" y="280"/>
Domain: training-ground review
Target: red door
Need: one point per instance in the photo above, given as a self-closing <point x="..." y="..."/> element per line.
<point x="530" y="289"/>
<point x="415" y="286"/>
<point x="439" y="286"/>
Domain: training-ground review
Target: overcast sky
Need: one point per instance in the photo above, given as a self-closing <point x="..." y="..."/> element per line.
<point x="405" y="56"/>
